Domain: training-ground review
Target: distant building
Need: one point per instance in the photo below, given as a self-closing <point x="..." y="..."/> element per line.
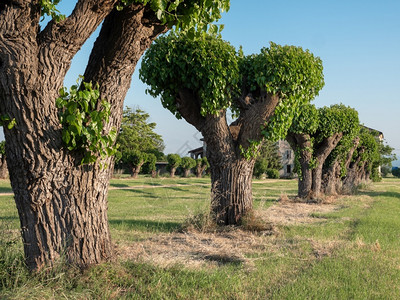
<point x="284" y="149"/>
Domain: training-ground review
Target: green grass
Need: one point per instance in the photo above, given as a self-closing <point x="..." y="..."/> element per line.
<point x="352" y="252"/>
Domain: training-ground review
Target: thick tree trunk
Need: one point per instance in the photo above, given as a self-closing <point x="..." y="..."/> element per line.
<point x="3" y="167"/>
<point x="186" y="173"/>
<point x="172" y="172"/>
<point x="302" y="144"/>
<point x="331" y="179"/>
<point x="63" y="206"/>
<point x="231" y="188"/>
<point x="135" y="170"/>
<point x="321" y="154"/>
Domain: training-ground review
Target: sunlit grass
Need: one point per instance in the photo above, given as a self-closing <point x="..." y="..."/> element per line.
<point x="350" y="252"/>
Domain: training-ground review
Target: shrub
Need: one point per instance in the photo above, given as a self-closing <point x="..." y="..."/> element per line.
<point x="272" y="173"/>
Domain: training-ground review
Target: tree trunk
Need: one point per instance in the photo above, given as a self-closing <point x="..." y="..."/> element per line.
<point x="135" y="170"/>
<point x="321" y="154"/>
<point x="302" y="144"/>
<point x="63" y="206"/>
<point x="331" y="179"/>
<point x="3" y="167"/>
<point x="186" y="173"/>
<point x="172" y="172"/>
<point x="231" y="189"/>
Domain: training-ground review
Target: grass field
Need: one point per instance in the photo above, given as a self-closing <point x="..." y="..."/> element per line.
<point x="347" y="248"/>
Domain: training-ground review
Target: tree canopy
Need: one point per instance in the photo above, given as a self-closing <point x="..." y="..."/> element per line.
<point x="201" y="79"/>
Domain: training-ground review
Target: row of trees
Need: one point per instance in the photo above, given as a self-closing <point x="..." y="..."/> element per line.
<point x="62" y="204"/>
<point x="334" y="153"/>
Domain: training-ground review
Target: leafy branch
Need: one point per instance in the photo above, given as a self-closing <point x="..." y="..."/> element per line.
<point x="83" y="116"/>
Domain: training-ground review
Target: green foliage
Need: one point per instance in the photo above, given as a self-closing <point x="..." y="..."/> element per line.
<point x="187" y="163"/>
<point x="188" y="16"/>
<point x="396" y="172"/>
<point x="202" y="162"/>
<point x="48" y="7"/>
<point x="268" y="158"/>
<point x="174" y="160"/>
<point x="335" y="119"/>
<point x="5" y="120"/>
<point x="292" y="73"/>
<point x="137" y="133"/>
<point x="306" y="121"/>
<point x="207" y="66"/>
<point x="82" y="116"/>
<point x="150" y="163"/>
<point x="272" y="173"/>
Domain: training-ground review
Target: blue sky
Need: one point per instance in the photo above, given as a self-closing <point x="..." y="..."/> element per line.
<point x="358" y="42"/>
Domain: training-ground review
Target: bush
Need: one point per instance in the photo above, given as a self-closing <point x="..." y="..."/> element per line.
<point x="396" y="171"/>
<point x="272" y="173"/>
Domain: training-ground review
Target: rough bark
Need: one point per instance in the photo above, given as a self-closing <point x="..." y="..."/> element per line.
<point x="231" y="174"/>
<point x="320" y="154"/>
<point x="302" y="144"/>
<point x="62" y="205"/>
<point x="3" y="167"/>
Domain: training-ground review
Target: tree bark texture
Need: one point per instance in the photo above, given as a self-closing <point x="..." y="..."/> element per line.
<point x="301" y="143"/>
<point x="62" y="205"/>
<point x="3" y="167"/>
<point x="231" y="173"/>
<point x="321" y="154"/>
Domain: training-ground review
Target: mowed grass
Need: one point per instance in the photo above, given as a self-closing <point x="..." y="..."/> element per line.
<point x="351" y="252"/>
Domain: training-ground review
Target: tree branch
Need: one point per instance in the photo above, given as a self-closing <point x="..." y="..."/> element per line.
<point x="60" y="41"/>
<point x="123" y="38"/>
<point x="252" y="119"/>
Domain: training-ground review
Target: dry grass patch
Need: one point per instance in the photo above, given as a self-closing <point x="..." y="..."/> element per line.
<point x="292" y="213"/>
<point x="195" y="249"/>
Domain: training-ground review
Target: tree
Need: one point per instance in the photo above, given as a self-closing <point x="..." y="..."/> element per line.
<point x="3" y="162"/>
<point x="201" y="166"/>
<point x="313" y="135"/>
<point x="364" y="161"/>
<point x="174" y="161"/>
<point x="187" y="163"/>
<point x="268" y="158"/>
<point x="134" y="159"/>
<point x="62" y="204"/>
<point x="396" y="172"/>
<point x="386" y="158"/>
<point x="149" y="166"/>
<point x="201" y="79"/>
<point x="137" y="133"/>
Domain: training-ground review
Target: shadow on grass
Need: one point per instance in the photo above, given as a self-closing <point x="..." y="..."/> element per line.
<point x="5" y="190"/>
<point x="145" y="225"/>
<point x="380" y="194"/>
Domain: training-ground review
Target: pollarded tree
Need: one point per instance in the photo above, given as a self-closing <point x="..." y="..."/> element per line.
<point x="134" y="159"/>
<point x="337" y="164"/>
<point x="149" y="166"/>
<point x="313" y="135"/>
<point x="365" y="158"/>
<point x="187" y="163"/>
<point x="200" y="80"/>
<point x="174" y="161"/>
<point x="201" y="166"/>
<point x="62" y="204"/>
<point x="3" y="162"/>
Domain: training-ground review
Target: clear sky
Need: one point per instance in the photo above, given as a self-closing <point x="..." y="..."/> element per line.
<point x="358" y="42"/>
